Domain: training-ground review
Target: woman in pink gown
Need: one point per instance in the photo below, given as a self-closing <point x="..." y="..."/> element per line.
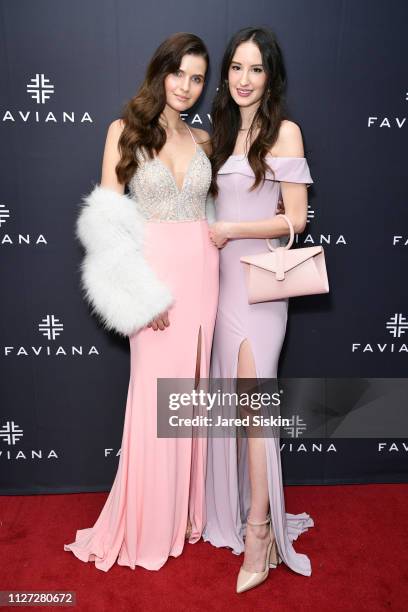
<point x="242" y="490"/>
<point x="151" y="273"/>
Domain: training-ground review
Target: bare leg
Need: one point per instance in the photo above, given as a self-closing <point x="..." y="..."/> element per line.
<point x="257" y="537"/>
<point x="198" y="361"/>
<point x="196" y="383"/>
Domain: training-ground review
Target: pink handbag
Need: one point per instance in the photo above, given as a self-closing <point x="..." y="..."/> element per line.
<point x="284" y="273"/>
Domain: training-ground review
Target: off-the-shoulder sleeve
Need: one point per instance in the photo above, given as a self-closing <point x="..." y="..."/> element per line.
<point x="287" y="169"/>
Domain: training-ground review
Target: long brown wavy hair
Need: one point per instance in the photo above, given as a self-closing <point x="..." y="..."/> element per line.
<point x="225" y="114"/>
<point x="142" y="112"/>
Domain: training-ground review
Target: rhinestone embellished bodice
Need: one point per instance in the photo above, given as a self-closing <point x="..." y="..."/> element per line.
<point x="158" y="197"/>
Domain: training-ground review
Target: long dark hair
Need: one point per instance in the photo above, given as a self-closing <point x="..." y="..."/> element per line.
<point x="142" y="112"/>
<point x="225" y="114"/>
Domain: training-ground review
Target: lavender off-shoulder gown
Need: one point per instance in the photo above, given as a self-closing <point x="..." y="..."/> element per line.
<point x="264" y="325"/>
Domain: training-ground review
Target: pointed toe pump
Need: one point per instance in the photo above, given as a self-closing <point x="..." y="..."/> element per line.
<point x="248" y="580"/>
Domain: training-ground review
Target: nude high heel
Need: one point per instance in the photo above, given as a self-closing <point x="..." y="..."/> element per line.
<point x="248" y="580"/>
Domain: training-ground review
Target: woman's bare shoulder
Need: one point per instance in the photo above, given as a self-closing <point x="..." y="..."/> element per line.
<point x="289" y="142"/>
<point x="111" y="156"/>
<point x="117" y="126"/>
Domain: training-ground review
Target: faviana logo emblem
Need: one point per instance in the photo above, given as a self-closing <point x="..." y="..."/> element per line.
<point x="296" y="426"/>
<point x="310" y="213"/>
<point x="10" y="433"/>
<point x="4" y="214"/>
<point x="40" y="88"/>
<point x="50" y="327"/>
<point x="396" y="325"/>
<point x="10" y="240"/>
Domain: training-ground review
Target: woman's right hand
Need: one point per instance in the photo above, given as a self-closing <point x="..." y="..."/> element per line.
<point x="218" y="233"/>
<point x="160" y="322"/>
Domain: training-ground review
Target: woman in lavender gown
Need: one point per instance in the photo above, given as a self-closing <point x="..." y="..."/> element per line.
<point x="258" y="158"/>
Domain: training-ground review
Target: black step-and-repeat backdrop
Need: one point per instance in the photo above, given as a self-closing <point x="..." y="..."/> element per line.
<point x="65" y="75"/>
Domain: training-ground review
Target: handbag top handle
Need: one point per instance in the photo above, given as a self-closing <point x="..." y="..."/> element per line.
<point x="291" y="237"/>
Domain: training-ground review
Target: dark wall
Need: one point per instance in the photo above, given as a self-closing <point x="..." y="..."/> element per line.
<point x="66" y="72"/>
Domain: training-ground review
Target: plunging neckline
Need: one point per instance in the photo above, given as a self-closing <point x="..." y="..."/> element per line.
<point x="179" y="191"/>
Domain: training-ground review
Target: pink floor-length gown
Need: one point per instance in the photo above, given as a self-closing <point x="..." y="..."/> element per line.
<point x="161" y="481"/>
<point x="264" y="326"/>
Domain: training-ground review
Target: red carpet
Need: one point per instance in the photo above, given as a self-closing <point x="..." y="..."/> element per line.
<point x="358" y="550"/>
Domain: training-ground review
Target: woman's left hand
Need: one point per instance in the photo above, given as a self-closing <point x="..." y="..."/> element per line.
<point x="219" y="233"/>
